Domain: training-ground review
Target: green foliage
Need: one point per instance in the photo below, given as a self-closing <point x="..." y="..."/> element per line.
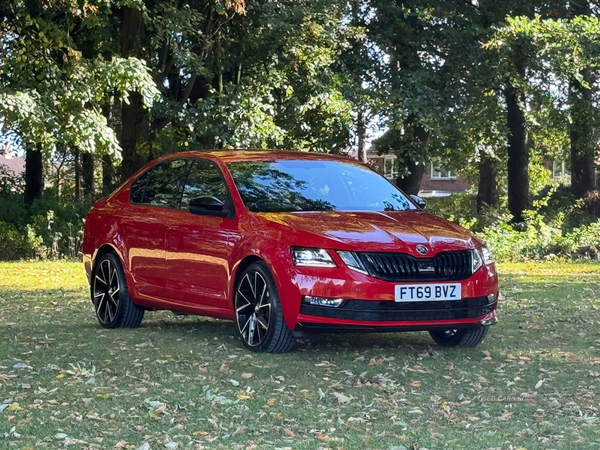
<point x="459" y="208"/>
<point x="540" y="240"/>
<point x="557" y="227"/>
<point x="20" y="243"/>
<point x="51" y="227"/>
<point x="54" y="79"/>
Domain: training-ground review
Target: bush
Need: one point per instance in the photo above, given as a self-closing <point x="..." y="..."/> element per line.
<point x="591" y="203"/>
<point x="536" y="241"/>
<point x="558" y="226"/>
<point x="539" y="240"/>
<point x="17" y="244"/>
<point x="50" y="227"/>
<point x="454" y="207"/>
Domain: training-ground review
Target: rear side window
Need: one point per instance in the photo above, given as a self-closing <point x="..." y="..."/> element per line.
<point x="161" y="185"/>
<point x="204" y="179"/>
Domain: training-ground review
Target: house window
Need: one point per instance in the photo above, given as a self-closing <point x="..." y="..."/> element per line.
<point x="561" y="169"/>
<point x="389" y="166"/>
<point x="438" y="172"/>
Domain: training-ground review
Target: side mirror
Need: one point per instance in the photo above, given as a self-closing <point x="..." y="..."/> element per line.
<point x="206" y="205"/>
<point x="420" y="201"/>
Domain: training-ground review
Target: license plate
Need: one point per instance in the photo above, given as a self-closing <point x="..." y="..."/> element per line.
<point x="428" y="292"/>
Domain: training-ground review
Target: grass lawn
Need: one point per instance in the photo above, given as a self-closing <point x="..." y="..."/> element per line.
<point x="64" y="381"/>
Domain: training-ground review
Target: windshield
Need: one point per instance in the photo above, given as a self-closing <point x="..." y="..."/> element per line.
<point x="301" y="185"/>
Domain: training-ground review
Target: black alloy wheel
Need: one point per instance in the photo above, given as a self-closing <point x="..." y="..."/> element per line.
<point x="112" y="303"/>
<point x="258" y="313"/>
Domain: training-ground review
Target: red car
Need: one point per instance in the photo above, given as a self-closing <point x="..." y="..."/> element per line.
<point x="284" y="243"/>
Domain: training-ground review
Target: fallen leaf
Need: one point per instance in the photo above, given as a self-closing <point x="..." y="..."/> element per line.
<point x="341" y="398"/>
<point x="321" y="394"/>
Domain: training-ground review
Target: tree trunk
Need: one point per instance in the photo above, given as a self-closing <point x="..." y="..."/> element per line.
<point x="87" y="166"/>
<point x="361" y="131"/>
<point x="487" y="194"/>
<point x="108" y="174"/>
<point x="583" y="145"/>
<point x="34" y="174"/>
<point x="411" y="183"/>
<point x="133" y="116"/>
<point x="583" y="141"/>
<point x="518" y="154"/>
<point x="77" y="174"/>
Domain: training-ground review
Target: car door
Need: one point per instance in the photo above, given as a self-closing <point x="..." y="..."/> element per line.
<point x="199" y="244"/>
<point x="153" y="196"/>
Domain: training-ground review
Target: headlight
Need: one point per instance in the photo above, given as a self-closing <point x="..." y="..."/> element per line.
<point x="353" y="262"/>
<point x="481" y="256"/>
<point x="313" y="257"/>
<point x="477" y="260"/>
<point x="487" y="255"/>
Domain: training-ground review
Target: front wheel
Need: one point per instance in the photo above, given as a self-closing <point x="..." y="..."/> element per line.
<point x="258" y="312"/>
<point x="463" y="337"/>
<point x="113" y="306"/>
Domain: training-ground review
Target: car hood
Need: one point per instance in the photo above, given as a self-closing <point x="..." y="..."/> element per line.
<point x="398" y="231"/>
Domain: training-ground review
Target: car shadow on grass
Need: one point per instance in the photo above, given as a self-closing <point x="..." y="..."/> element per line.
<point x="208" y="329"/>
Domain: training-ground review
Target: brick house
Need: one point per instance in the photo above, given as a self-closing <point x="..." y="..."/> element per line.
<point x="13" y="164"/>
<point x="437" y="181"/>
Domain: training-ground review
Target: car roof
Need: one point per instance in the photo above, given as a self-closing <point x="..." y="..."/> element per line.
<point x="236" y="155"/>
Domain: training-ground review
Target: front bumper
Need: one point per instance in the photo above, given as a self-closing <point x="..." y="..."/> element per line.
<point x="346" y="326"/>
<point x="387" y="311"/>
<point x="370" y="303"/>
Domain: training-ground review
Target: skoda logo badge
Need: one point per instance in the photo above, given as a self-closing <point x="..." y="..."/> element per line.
<point x="422" y="250"/>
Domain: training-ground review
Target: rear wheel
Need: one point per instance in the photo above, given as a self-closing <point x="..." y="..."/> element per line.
<point x="113" y="306"/>
<point x="258" y="312"/>
<point x="462" y="337"/>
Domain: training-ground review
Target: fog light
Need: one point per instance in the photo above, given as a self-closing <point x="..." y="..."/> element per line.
<point x="323" y="301"/>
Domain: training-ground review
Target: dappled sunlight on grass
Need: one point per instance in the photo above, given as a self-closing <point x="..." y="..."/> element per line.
<point x="554" y="268"/>
<point x="42" y="275"/>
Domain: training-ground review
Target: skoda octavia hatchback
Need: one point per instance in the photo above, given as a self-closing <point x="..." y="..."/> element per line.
<point x="284" y="244"/>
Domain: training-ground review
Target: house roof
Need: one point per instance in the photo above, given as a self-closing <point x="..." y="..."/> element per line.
<point x="14" y="164"/>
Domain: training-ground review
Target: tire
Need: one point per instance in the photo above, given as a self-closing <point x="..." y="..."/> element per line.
<point x="463" y="337"/>
<point x="110" y="296"/>
<point x="258" y="313"/>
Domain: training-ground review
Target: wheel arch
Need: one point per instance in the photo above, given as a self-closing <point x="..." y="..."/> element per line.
<point x="103" y="250"/>
<point x="110" y="248"/>
<point x="243" y="265"/>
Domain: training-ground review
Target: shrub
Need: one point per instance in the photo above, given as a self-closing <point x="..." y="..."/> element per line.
<point x="17" y="244"/>
<point x="558" y="226"/>
<point x="50" y="227"/>
<point x="592" y="203"/>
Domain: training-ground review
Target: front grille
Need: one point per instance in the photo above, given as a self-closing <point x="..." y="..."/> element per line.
<point x="386" y="311"/>
<point x="446" y="266"/>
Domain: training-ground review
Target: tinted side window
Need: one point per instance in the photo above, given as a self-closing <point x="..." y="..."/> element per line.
<point x="161" y="185"/>
<point x="138" y="187"/>
<point x="204" y="179"/>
